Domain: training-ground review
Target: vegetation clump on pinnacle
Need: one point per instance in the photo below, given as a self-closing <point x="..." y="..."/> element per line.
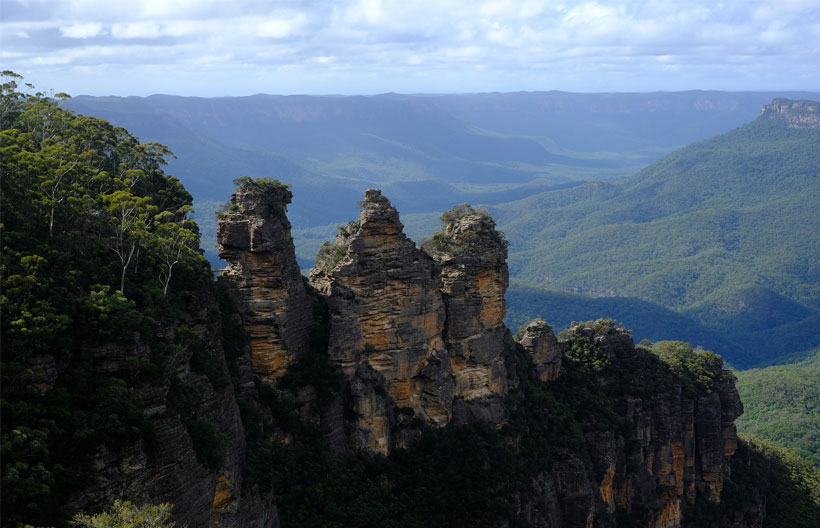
<point x="277" y="196"/>
<point x="330" y="254"/>
<point x="459" y="239"/>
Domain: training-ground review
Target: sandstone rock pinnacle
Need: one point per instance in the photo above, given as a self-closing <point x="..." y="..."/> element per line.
<point x="264" y="277"/>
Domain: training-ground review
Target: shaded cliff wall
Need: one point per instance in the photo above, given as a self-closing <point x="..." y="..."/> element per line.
<point x="264" y="277"/>
<point x="418" y="333"/>
<point x="196" y="458"/>
<point x="664" y="447"/>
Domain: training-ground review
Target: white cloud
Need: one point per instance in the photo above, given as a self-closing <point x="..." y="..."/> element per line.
<point x="387" y="42"/>
<point x="136" y="30"/>
<point x="280" y="27"/>
<point x="81" y="31"/>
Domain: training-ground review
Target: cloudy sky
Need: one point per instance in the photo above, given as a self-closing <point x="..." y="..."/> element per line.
<point x="241" y="47"/>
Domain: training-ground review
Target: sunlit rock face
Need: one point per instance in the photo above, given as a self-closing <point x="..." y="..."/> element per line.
<point x="428" y="329"/>
<point x="386" y="323"/>
<point x="264" y="277"/>
<point x="471" y="259"/>
<point x="798" y="114"/>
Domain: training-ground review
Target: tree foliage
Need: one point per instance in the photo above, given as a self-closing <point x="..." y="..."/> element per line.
<point x="125" y="514"/>
<point x="95" y="237"/>
<point x="782" y="405"/>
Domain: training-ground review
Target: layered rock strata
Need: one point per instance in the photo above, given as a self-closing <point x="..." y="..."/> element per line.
<point x="680" y="446"/>
<point x="419" y="333"/>
<point x="471" y="260"/>
<point x="264" y="277"/>
<point x="171" y="471"/>
<point x="429" y="330"/>
<point x="798" y="114"/>
<point x="541" y="344"/>
<point x="386" y="324"/>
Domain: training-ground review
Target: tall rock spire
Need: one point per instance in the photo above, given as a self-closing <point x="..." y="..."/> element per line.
<point x="264" y="277"/>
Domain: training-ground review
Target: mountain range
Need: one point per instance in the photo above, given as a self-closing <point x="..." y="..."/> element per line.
<point x="715" y="239"/>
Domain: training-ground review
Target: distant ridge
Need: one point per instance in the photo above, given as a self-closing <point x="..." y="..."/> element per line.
<point x="798" y="114"/>
<point x="723" y="231"/>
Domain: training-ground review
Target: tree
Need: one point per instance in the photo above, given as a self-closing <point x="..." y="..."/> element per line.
<point x="130" y="216"/>
<point x="125" y="514"/>
<point x="173" y="241"/>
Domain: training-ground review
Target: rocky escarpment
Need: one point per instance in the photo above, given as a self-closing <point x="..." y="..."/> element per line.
<point x="429" y="332"/>
<point x="196" y="457"/>
<point x="674" y="446"/>
<point x="264" y="277"/>
<point x="418" y="339"/>
<point x="798" y="114"/>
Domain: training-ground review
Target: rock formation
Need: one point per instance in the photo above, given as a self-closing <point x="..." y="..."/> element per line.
<point x="682" y="444"/>
<point x="471" y="260"/>
<point x="544" y="349"/>
<point x="171" y="471"/>
<point x="798" y="114"/>
<point x="254" y="237"/>
<point x="420" y="332"/>
<point x="386" y="323"/>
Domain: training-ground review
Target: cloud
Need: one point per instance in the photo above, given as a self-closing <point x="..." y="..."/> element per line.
<point x="280" y="27"/>
<point x="81" y="31"/>
<point x="379" y="44"/>
<point x="147" y="30"/>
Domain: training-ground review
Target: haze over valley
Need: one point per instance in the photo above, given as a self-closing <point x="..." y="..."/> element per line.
<point x="562" y="174"/>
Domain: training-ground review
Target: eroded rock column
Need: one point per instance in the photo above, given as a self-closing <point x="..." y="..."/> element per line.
<point x="386" y="323"/>
<point x="472" y="260"/>
<point x="264" y="277"/>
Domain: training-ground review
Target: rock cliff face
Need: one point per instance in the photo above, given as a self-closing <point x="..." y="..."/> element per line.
<point x="254" y="237"/>
<point x="680" y="449"/>
<point x="799" y="114"/>
<point x="471" y="260"/>
<point x="195" y="403"/>
<point x="418" y="338"/>
<point x="430" y="332"/>
<point x="540" y="343"/>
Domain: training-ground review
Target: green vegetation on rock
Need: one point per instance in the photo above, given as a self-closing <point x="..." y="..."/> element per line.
<point x="125" y="514"/>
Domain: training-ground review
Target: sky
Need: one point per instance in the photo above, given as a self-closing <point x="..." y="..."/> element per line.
<point x="242" y="47"/>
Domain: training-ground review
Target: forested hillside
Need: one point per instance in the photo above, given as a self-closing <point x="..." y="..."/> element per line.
<point x="96" y="244"/>
<point x="425" y="152"/>
<point x="782" y="405"/>
<point x="723" y="232"/>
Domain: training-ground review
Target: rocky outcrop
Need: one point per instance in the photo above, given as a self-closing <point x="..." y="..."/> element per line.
<point x="264" y="277"/>
<point x="196" y="401"/>
<point x="675" y="449"/>
<point x="415" y="334"/>
<point x="798" y="114"/>
<point x="386" y="324"/>
<point x="541" y="344"/>
<point x="471" y="261"/>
